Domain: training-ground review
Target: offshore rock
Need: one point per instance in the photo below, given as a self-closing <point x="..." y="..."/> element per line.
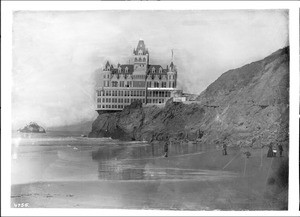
<point x="32" y="127"/>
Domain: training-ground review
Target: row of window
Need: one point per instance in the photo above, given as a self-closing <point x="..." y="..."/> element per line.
<point x="118" y="84"/>
<point x="162" y="84"/>
<point x="140" y="59"/>
<point x="106" y="76"/>
<point x="117" y="100"/>
<point x="159" y="93"/>
<point x="111" y="106"/>
<point x="121" y="93"/>
<point x="141" y="93"/>
<point x="154" y="101"/>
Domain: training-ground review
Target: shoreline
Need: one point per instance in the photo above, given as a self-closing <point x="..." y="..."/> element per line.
<point x="254" y="188"/>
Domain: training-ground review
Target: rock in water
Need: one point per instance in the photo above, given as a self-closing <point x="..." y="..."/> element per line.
<point x="32" y="127"/>
<point x="248" y="106"/>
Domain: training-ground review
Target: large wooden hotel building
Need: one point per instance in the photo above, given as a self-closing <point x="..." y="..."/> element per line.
<point x="123" y="84"/>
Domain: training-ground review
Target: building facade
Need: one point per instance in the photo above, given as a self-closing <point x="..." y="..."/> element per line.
<point x="123" y="84"/>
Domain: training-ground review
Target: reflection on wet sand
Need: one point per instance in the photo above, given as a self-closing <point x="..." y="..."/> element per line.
<point x="146" y="162"/>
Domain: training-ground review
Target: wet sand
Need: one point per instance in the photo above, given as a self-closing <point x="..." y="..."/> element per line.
<point x="203" y="181"/>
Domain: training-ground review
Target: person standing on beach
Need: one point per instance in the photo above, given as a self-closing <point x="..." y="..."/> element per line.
<point x="280" y="149"/>
<point x="270" y="151"/>
<point x="166" y="147"/>
<point x="224" y="146"/>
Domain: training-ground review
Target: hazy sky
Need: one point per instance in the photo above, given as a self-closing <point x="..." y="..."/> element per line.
<point x="55" y="54"/>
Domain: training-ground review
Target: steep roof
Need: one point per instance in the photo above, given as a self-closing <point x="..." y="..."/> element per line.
<point x="141" y="46"/>
<point x="157" y="67"/>
<point x="123" y="67"/>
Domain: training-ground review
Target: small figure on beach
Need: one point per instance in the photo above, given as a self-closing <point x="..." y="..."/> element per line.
<point x="166" y="147"/>
<point x="280" y="149"/>
<point x="224" y="150"/>
<point x="248" y="154"/>
<point x="274" y="152"/>
<point x="270" y="151"/>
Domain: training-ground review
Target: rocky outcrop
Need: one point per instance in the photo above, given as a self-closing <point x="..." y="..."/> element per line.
<point x="32" y="127"/>
<point x="248" y="106"/>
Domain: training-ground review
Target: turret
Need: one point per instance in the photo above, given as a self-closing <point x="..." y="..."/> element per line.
<point x="107" y="66"/>
<point x="140" y="57"/>
<point x="172" y="75"/>
<point x="106" y="74"/>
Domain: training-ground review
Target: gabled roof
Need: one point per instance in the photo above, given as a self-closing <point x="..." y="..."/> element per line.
<point x="107" y="65"/>
<point x="157" y="67"/>
<point x="123" y="67"/>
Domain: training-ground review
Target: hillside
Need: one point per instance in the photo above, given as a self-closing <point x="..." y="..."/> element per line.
<point x="247" y="106"/>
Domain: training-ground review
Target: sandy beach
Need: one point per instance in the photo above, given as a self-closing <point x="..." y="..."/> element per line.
<point x="204" y="180"/>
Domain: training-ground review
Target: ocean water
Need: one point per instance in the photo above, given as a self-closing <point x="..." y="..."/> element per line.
<point x="67" y="156"/>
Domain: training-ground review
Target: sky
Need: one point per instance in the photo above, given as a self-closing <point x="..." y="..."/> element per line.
<point x="56" y="54"/>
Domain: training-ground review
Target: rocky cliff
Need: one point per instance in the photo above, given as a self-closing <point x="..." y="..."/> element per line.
<point x="248" y="106"/>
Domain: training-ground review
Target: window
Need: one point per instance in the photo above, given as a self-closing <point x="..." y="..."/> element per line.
<point x="114" y="84"/>
<point x="121" y="83"/>
<point x="153" y="70"/>
<point x="126" y="69"/>
<point x="99" y="100"/>
<point x="104" y="76"/>
<point x="160" y="70"/>
<point x="163" y="84"/>
<point x="156" y="84"/>
<point x="105" y="83"/>
<point x="140" y="59"/>
<point x="148" y="83"/>
<point x="144" y="59"/>
<point x="129" y="83"/>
